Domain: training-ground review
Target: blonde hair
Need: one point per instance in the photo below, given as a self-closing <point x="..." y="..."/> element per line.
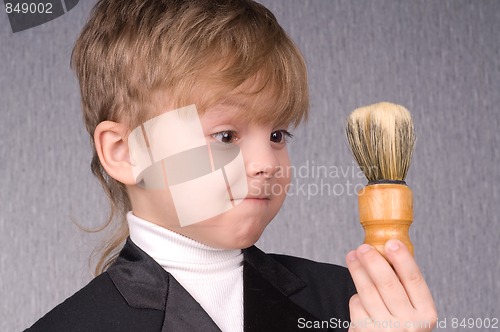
<point x="193" y="51"/>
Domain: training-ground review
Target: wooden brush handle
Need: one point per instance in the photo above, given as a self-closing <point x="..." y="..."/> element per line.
<point x="386" y="212"/>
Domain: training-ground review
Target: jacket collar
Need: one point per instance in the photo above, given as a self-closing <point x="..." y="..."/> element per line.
<point x="267" y="285"/>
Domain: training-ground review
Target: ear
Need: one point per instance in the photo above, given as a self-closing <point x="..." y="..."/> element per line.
<point x="112" y="148"/>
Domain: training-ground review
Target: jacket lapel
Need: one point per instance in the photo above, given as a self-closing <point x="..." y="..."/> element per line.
<point x="183" y="313"/>
<point x="267" y="287"/>
<point x="145" y="284"/>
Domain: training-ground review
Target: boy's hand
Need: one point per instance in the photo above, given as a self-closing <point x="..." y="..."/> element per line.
<point x="387" y="299"/>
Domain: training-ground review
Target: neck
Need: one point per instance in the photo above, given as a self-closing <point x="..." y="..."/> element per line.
<point x="179" y="254"/>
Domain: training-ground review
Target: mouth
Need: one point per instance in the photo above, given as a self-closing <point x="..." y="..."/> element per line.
<point x="252" y="199"/>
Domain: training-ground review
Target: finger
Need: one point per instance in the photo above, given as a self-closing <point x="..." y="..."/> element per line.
<point x="368" y="293"/>
<point x="358" y="314"/>
<point x="409" y="274"/>
<point x="385" y="280"/>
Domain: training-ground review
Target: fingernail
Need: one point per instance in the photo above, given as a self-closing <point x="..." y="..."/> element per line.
<point x="364" y="248"/>
<point x="351" y="256"/>
<point x="392" y="245"/>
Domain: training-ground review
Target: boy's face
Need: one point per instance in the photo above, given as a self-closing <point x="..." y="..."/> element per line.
<point x="266" y="162"/>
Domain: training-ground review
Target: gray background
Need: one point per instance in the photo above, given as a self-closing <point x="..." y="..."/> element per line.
<point x="441" y="59"/>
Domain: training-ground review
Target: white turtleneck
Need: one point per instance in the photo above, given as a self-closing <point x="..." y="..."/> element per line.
<point x="213" y="277"/>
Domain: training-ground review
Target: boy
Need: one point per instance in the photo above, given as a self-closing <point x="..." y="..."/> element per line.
<point x="188" y="103"/>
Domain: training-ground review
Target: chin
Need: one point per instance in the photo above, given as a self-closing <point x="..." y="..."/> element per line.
<point x="242" y="234"/>
<point x="238" y="228"/>
<point x="245" y="241"/>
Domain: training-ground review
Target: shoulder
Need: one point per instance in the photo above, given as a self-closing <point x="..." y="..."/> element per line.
<point x="98" y="306"/>
<point x="328" y="287"/>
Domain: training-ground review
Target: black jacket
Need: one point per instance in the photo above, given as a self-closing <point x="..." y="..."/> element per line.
<point x="281" y="293"/>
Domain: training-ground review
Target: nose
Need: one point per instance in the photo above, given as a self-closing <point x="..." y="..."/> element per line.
<point x="261" y="160"/>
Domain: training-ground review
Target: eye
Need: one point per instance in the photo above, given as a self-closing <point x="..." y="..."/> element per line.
<point x="280" y="136"/>
<point x="226" y="137"/>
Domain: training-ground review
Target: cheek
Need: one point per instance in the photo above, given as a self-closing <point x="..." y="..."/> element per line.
<point x="283" y="158"/>
<point x="284" y="176"/>
<point x="281" y="186"/>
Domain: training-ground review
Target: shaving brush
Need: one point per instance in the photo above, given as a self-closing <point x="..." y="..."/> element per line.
<point x="381" y="138"/>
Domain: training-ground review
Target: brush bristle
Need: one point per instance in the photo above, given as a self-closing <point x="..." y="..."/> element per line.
<point x="381" y="137"/>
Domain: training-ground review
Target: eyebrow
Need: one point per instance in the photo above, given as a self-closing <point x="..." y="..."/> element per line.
<point x="221" y="108"/>
<point x="218" y="113"/>
<point x="233" y="101"/>
<point x="238" y="108"/>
